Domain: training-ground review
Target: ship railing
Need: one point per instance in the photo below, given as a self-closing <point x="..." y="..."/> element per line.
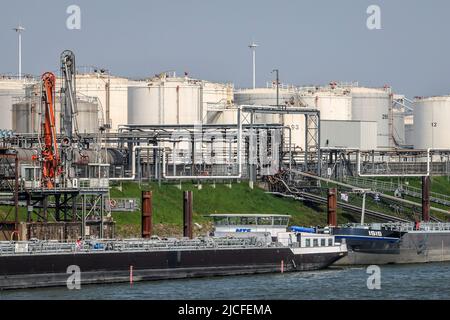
<point x="406" y="227"/>
<point x="49" y="247"/>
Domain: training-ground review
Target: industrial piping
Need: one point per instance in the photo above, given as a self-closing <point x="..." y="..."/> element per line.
<point x="239" y="176"/>
<point x="380" y="194"/>
<point x="429" y="160"/>
<point x="168" y="177"/>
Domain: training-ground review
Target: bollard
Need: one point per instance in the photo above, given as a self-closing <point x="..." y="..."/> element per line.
<point x="426" y="199"/>
<point x="187" y="214"/>
<point x="147" y="213"/>
<point x="332" y="207"/>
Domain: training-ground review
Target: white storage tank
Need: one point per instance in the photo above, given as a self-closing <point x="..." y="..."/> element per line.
<point x="265" y="97"/>
<point x="334" y="103"/>
<point x="170" y="100"/>
<point x="10" y="89"/>
<point x="374" y="104"/>
<point x="432" y="122"/>
<point x="6" y="110"/>
<point x="26" y="116"/>
<point x="95" y="85"/>
<point x="87" y="116"/>
<point x="227" y="116"/>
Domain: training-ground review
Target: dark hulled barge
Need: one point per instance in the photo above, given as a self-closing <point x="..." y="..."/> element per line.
<point x="249" y="250"/>
<point x="394" y="243"/>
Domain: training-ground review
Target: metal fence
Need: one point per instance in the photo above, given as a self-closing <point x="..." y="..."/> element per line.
<point x="138" y="245"/>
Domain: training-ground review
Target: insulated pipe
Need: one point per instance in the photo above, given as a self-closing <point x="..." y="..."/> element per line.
<point x="167" y="177"/>
<point x="133" y="162"/>
<point x="363" y="209"/>
<point x="358" y="157"/>
<point x="239" y="176"/>
<point x="429" y="160"/>
<point x="174" y="177"/>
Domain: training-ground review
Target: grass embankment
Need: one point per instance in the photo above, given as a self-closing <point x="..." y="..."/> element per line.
<point x="168" y="207"/>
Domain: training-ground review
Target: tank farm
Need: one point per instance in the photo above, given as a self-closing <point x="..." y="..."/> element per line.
<point x="67" y="139"/>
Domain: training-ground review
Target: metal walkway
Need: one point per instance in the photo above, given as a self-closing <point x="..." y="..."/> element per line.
<point x="291" y="191"/>
<point x="386" y="186"/>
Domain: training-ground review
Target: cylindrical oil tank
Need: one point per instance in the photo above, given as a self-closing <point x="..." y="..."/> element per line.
<point x="374" y="104"/>
<point x="171" y="100"/>
<point x="10" y="89"/>
<point x="6" y="110"/>
<point x="27" y="117"/>
<point x="95" y="83"/>
<point x="432" y="122"/>
<point x="110" y="156"/>
<point x="26" y="155"/>
<point x="333" y="103"/>
<point x="228" y="116"/>
<point x="87" y="117"/>
<point x="264" y="97"/>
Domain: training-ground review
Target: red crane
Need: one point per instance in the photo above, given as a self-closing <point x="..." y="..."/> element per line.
<point x="51" y="161"/>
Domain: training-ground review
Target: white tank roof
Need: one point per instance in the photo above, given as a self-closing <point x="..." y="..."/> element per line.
<point x="263" y="90"/>
<point x="429" y="99"/>
<point x="167" y="78"/>
<point x="364" y="90"/>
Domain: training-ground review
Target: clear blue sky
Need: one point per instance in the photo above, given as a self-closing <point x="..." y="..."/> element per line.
<point x="310" y="41"/>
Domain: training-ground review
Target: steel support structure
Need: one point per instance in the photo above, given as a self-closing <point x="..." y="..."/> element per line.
<point x="312" y="152"/>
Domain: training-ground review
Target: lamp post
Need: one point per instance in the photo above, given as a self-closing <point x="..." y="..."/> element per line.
<point x="253" y="47"/>
<point x="19" y="29"/>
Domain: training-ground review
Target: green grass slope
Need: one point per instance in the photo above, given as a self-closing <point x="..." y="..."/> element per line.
<point x="168" y="206"/>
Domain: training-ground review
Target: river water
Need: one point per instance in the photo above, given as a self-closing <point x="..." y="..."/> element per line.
<point x="421" y="281"/>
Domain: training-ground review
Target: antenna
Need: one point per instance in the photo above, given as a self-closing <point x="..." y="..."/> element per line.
<point x="19" y="29"/>
<point x="253" y="47"/>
